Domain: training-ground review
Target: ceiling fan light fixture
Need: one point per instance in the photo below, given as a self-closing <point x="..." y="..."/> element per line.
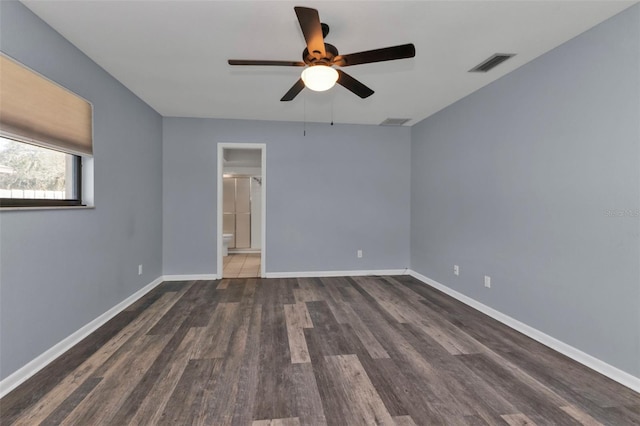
<point x="319" y="77"/>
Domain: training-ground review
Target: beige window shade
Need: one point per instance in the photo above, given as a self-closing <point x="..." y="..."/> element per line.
<point x="38" y="111"/>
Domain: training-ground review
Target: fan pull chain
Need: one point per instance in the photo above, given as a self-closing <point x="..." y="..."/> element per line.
<point x="332" y="112"/>
<point x="304" y="125"/>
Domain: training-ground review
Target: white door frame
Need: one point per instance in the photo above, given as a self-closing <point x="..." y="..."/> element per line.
<point x="263" y="213"/>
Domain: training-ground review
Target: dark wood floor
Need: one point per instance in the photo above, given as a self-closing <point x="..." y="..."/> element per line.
<point x="314" y="351"/>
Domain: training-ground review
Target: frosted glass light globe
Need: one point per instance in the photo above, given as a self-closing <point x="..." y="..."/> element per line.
<point x="319" y="77"/>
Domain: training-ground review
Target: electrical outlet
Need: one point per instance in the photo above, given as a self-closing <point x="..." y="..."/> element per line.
<point x="487" y="281"/>
<point x="359" y="253"/>
<point x="456" y="270"/>
<point x="139" y="269"/>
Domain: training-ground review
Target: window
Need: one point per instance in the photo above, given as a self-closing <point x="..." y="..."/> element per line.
<point x="34" y="176"/>
<point x="45" y="130"/>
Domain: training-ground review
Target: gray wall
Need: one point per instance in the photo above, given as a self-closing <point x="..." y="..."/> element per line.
<point x="61" y="269"/>
<point x="515" y="181"/>
<point x="339" y="189"/>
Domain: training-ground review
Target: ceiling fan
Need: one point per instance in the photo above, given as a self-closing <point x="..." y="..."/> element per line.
<point x="319" y="58"/>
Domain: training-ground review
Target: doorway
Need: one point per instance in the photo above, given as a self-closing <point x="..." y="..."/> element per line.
<point x="241" y="210"/>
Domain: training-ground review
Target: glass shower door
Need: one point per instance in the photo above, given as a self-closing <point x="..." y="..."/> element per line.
<point x="237" y="211"/>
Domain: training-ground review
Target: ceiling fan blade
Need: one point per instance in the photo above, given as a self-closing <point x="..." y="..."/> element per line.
<point x="266" y="63"/>
<point x="293" y="92"/>
<point x="312" y="30"/>
<point x="377" y="55"/>
<point x="350" y="83"/>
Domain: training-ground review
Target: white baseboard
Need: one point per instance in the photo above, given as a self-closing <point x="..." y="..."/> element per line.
<point x="601" y="367"/>
<point x="193" y="277"/>
<point x="309" y="274"/>
<point x="32" y="367"/>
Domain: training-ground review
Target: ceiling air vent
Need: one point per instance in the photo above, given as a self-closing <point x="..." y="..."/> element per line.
<point x="492" y="62"/>
<point x="394" y="121"/>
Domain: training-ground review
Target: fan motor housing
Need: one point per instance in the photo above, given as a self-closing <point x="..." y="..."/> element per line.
<point x="311" y="59"/>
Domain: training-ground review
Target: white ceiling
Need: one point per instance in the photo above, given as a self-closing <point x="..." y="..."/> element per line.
<point x="173" y="54"/>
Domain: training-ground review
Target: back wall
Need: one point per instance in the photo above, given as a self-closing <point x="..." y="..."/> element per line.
<point x="336" y="190"/>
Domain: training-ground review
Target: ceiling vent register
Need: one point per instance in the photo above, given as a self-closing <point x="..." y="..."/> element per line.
<point x="492" y="62"/>
<point x="394" y="121"/>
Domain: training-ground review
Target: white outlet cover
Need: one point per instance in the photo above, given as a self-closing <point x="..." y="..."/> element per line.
<point x="487" y="281"/>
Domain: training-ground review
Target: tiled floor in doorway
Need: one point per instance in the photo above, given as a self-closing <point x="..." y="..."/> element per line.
<point x="241" y="265"/>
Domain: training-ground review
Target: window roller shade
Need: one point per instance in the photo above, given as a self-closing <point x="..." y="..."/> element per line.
<point x="38" y="111"/>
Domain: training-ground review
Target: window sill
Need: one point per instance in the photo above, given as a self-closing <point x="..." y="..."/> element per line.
<point x="5" y="209"/>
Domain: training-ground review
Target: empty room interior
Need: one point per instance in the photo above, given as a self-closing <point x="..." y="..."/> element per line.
<point x="320" y="213"/>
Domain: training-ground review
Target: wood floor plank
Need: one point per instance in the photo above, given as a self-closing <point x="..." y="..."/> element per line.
<point x="152" y="406"/>
<point x="133" y="402"/>
<point x="522" y="376"/>
<point x="248" y="377"/>
<point x="35" y="399"/>
<point x="518" y="420"/>
<point x="327" y="329"/>
<point x="458" y="380"/>
<point x="308" y="403"/>
<point x="313" y="351"/>
<point x="294" y="421"/>
<point x="334" y="409"/>
<point x="198" y="294"/>
<point x="479" y="421"/>
<point x="302" y="314"/>
<point x="234" y="291"/>
<point x="434" y="396"/>
<point x="387" y="300"/>
<point x="405" y="293"/>
<point x="93" y="365"/>
<point x="218" y="332"/>
<point x="406" y="388"/>
<point x="250" y="290"/>
<point x="308" y="290"/>
<point x="404" y="421"/>
<point x="351" y="381"/>
<point x="380" y="372"/>
<point x="580" y="416"/>
<point x="69" y="404"/>
<point x="452" y="338"/>
<point x="363" y="333"/>
<point x="274" y="401"/>
<point x="221" y="394"/>
<point x="529" y="397"/>
<point x="275" y="291"/>
<point x="620" y="415"/>
<point x="147" y="321"/>
<point x="296" y="320"/>
<point x="332" y="293"/>
<point x="572" y="381"/>
<point x="184" y="405"/>
<point x="105" y="399"/>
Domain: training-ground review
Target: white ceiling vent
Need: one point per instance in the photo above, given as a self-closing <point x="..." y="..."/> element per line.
<point x="492" y="62"/>
<point x="394" y="121"/>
